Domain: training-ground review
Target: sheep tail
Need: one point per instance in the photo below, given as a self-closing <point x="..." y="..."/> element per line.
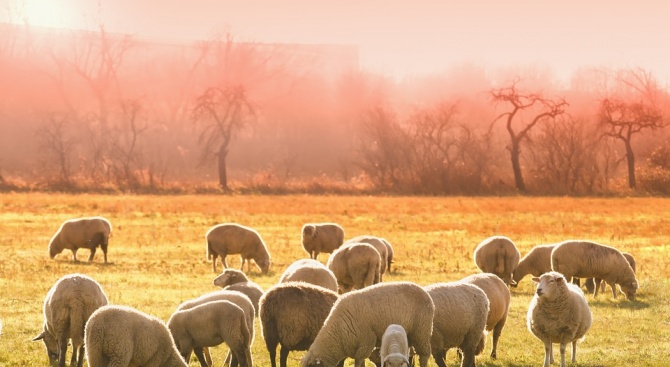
<point x="77" y="323"/>
<point x="500" y="265"/>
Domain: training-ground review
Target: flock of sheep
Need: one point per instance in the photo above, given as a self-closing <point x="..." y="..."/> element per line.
<point x="334" y="311"/>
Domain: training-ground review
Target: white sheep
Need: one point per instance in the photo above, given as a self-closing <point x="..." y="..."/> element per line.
<point x="536" y="262"/>
<point x="88" y="233"/>
<point x="355" y="265"/>
<point x="358" y="320"/>
<point x="310" y="271"/>
<point x="379" y="245"/>
<point x="558" y="313"/>
<point x="585" y="259"/>
<point x="461" y="310"/>
<point x="321" y="237"/>
<point x="67" y="306"/>
<point x="236" y="280"/>
<point x="238" y="298"/>
<point x="291" y="315"/>
<point x="209" y="325"/>
<point x="394" y="351"/>
<point x="593" y="284"/>
<point x="124" y="336"/>
<point x="499" y="300"/>
<point x="231" y="238"/>
<point x="497" y="255"/>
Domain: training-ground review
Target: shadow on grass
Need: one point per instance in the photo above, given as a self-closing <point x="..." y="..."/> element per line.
<point x="628" y="305"/>
<point x="86" y="263"/>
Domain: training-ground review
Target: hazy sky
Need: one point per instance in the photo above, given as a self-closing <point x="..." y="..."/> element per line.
<point x="399" y="37"/>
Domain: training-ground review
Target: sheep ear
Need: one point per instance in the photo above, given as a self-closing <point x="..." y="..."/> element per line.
<point x="559" y="279"/>
<point x="535" y="279"/>
<point x="40" y="337"/>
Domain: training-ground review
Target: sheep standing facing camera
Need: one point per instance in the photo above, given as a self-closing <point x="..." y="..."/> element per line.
<point x="321" y="237"/>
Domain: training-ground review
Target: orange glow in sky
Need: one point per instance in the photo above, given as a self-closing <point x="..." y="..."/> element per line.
<point x="397" y="37"/>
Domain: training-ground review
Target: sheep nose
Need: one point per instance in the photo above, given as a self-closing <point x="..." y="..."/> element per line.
<point x="539" y="291"/>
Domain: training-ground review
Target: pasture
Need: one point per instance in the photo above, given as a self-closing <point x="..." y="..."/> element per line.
<point x="157" y="258"/>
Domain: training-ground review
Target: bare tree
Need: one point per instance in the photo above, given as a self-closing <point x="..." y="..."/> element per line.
<point x="58" y="146"/>
<point x="523" y="103"/>
<point x="627" y="114"/>
<point x="125" y="143"/>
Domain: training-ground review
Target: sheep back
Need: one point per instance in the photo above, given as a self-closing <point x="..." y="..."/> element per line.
<point x="123" y="336"/>
<point x="310" y="271"/>
<point x="379" y="245"/>
<point x="585" y="259"/>
<point x="355" y="265"/>
<point x="359" y="319"/>
<point x="89" y="233"/>
<point x="497" y="255"/>
<point x="238" y="298"/>
<point x="536" y="262"/>
<point x="321" y="237"/>
<point x="232" y="238"/>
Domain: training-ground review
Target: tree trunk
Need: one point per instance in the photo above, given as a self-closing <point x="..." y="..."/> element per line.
<point x="223" y="175"/>
<point x="515" y="153"/>
<point x="630" y="158"/>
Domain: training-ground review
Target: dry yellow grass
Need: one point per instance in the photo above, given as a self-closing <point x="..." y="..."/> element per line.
<point x="158" y="257"/>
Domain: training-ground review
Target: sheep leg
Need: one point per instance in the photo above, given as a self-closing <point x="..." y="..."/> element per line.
<point x="271" y="346"/>
<point x="74" y="255"/>
<point x="497" y="330"/>
<point x="231" y="360"/>
<point x="359" y="362"/>
<point x="90" y="257"/>
<point x="614" y="293"/>
<point x="574" y="351"/>
<point x="468" y="358"/>
<point x="438" y="356"/>
<point x="62" y="350"/>
<point x="548" y="355"/>
<point x="103" y="246"/>
<point x="214" y="256"/>
<point x="562" y="354"/>
<point x="208" y="356"/>
<point x="283" y="356"/>
<point x="199" y="354"/>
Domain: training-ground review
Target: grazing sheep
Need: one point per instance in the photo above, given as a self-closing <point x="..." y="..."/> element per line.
<point x="461" y="311"/>
<point x="558" y="313"/>
<point x="359" y="319"/>
<point x="499" y="300"/>
<point x="310" y="271"/>
<point x="536" y="262"/>
<point x="394" y="351"/>
<point x="124" y="336"/>
<point x="209" y="325"/>
<point x="593" y="284"/>
<point x="379" y="245"/>
<point x="235" y="280"/>
<point x="584" y="259"/>
<point x="321" y="237"/>
<point x="355" y="265"/>
<point x="238" y="298"/>
<point x="67" y="306"/>
<point x="291" y="315"/>
<point x="389" y="250"/>
<point x="231" y="238"/>
<point x="497" y="255"/>
<point x="79" y="233"/>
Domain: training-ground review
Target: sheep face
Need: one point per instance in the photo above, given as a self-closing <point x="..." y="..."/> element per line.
<point x="264" y="265"/>
<point x="550" y="285"/>
<point x="308" y="233"/>
<point x="52" y="345"/>
<point x="629" y="289"/>
<point x="395" y="360"/>
<point x="228" y="277"/>
<point x="55" y="247"/>
<point x="310" y="361"/>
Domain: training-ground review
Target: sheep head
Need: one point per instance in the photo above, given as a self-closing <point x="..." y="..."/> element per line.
<point x="51" y="344"/>
<point x="550" y="285"/>
<point x="629" y="289"/>
<point x="395" y="360"/>
<point x="308" y="232"/>
<point x="55" y="247"/>
<point x="230" y="276"/>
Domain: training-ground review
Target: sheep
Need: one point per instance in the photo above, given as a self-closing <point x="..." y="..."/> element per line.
<point x="231" y="238"/>
<point x="67" y="306"/>
<point x="321" y="237"/>
<point x="499" y="300"/>
<point x="209" y="325"/>
<point x="355" y="265"/>
<point x="497" y="255"/>
<point x="123" y="336"/>
<point x="79" y="233"/>
<point x="238" y="298"/>
<point x="310" y="271"/>
<point x="394" y="351"/>
<point x="593" y="284"/>
<point x="359" y="319"/>
<point x="236" y="280"/>
<point x="461" y="311"/>
<point x="379" y="245"/>
<point x="584" y="259"/>
<point x="558" y="313"/>
<point x="390" y="252"/>
<point x="536" y="262"/>
<point x="291" y="315"/>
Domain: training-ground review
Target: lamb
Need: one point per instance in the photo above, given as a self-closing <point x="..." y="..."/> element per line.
<point x="310" y="271"/>
<point x="536" y="262"/>
<point x="461" y="311"/>
<point x="79" y="233"/>
<point x="593" y="284"/>
<point x="394" y="351"/>
<point x="558" y="313"/>
<point x="236" y="280"/>
<point x="209" y="325"/>
<point x="238" y="298"/>
<point x="231" y="238"/>
<point x="123" y="336"/>
<point x="379" y="245"/>
<point x="67" y="306"/>
<point x="499" y="300"/>
<point x="497" y="255"/>
<point x="355" y="265"/>
<point x="321" y="237"/>
<point x="359" y="319"/>
<point x="291" y="315"/>
<point x="584" y="259"/>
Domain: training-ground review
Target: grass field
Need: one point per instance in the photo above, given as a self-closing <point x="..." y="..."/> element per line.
<point x="157" y="255"/>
